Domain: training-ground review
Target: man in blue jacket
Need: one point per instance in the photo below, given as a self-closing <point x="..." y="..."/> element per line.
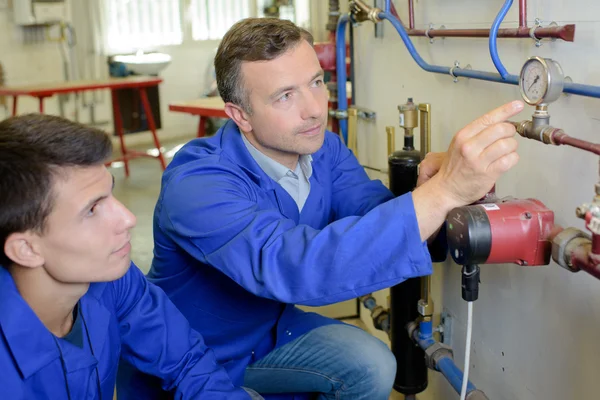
<point x="274" y="211"/>
<point x="71" y="302"/>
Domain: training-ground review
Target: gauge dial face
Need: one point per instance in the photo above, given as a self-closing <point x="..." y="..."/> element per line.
<point x="534" y="81"/>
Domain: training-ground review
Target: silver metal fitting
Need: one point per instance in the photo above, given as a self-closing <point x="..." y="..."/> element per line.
<point x="537" y="24"/>
<point x="451" y="72"/>
<point x="540" y="116"/>
<point x="365" y="113"/>
<point x="339" y="114"/>
<point x="435" y="352"/>
<point x="411" y="328"/>
<point x="427" y="33"/>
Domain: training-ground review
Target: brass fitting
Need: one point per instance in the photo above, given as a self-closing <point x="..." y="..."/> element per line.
<point x="409" y="116"/>
<point x="541" y="133"/>
<point x="425" y="305"/>
<point x="362" y="12"/>
<point x="539" y="127"/>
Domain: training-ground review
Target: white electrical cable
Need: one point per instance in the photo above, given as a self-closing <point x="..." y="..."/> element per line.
<point x="463" y="392"/>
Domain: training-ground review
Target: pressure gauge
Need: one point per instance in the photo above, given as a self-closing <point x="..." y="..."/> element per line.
<point x="541" y="81"/>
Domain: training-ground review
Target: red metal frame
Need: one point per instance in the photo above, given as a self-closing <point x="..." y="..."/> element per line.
<point x="113" y="84"/>
<point x="203" y="112"/>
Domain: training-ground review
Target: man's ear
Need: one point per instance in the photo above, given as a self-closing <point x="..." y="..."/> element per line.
<point x="239" y="116"/>
<point x="23" y="249"/>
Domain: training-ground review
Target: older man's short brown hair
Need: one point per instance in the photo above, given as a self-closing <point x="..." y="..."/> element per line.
<point x="252" y="39"/>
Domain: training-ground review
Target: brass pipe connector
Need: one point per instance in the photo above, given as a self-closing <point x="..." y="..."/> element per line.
<point x="541" y="133"/>
<point x="362" y="12"/>
<point x="409" y="116"/>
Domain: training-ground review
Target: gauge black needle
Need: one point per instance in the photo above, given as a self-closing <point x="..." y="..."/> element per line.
<point x="537" y="78"/>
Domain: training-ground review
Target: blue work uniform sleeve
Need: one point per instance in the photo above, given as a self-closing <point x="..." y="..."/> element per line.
<point x="212" y="212"/>
<point x="158" y="340"/>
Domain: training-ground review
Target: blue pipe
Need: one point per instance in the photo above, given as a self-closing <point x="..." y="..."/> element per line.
<point x="582" y="90"/>
<point x="571" y="88"/>
<point x="387" y="7"/>
<point x="494" y="38"/>
<point x="453" y="374"/>
<point x="340" y="66"/>
<point x="445" y="365"/>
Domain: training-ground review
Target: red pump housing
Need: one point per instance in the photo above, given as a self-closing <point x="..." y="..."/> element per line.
<point x="505" y="231"/>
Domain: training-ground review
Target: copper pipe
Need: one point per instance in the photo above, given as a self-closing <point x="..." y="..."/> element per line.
<point x="564" y="32"/>
<point x="522" y="13"/>
<point x="411" y="14"/>
<point x="560" y="137"/>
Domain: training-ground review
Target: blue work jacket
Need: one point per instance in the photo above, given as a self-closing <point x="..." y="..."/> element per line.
<point x="128" y="317"/>
<point x="234" y="253"/>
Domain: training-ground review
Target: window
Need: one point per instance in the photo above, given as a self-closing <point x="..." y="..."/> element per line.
<point x="212" y="18"/>
<point x="135" y="24"/>
<point x="144" y="24"/>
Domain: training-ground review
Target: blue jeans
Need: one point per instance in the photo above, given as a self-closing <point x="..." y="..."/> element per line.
<point x="336" y="361"/>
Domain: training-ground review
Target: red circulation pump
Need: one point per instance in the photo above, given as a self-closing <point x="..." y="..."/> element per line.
<point x="502" y="231"/>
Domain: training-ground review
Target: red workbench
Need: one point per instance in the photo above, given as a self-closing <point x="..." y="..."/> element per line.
<point x="204" y="108"/>
<point x="140" y="83"/>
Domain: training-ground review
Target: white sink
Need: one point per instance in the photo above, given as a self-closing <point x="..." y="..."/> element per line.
<point x="145" y="64"/>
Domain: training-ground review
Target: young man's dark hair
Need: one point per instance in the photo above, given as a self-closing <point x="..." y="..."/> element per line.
<point x="71" y="301"/>
<point x="34" y="148"/>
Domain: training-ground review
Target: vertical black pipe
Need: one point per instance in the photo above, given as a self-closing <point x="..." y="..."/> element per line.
<point x="411" y="374"/>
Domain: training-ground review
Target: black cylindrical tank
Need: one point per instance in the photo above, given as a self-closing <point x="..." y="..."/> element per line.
<point x="411" y="374"/>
